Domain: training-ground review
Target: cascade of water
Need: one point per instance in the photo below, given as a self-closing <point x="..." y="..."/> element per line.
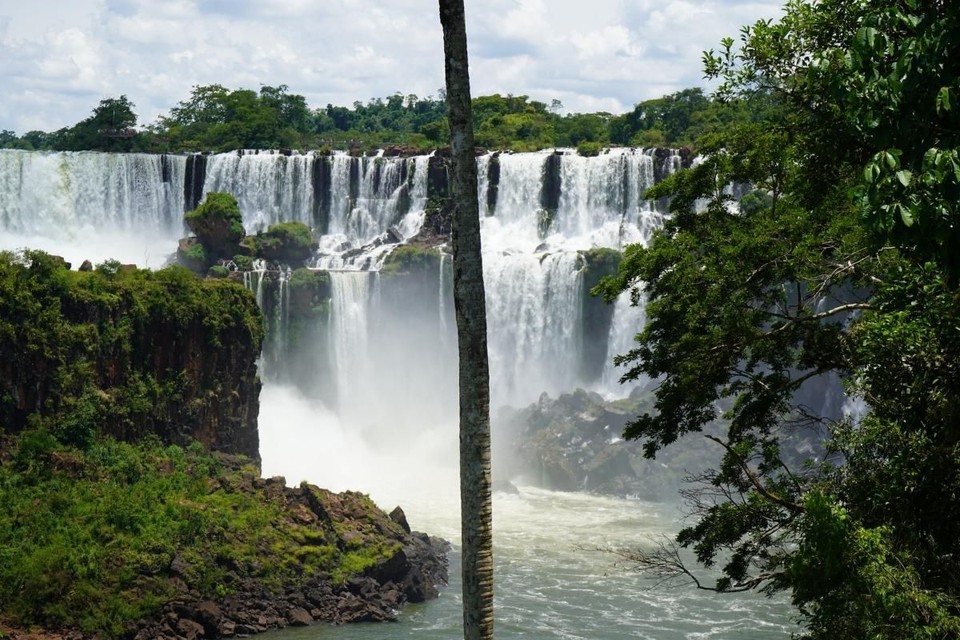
<point x="533" y="318"/>
<point x="444" y="292"/>
<point x="483" y="183"/>
<point x="410" y="224"/>
<point x="371" y="198"/>
<point x="92" y="205"/>
<point x="340" y="199"/>
<point x="376" y="206"/>
<point x="515" y="224"/>
<point x="269" y="187"/>
<point x="627" y="322"/>
<point x="282" y="313"/>
<point x="594" y="197"/>
<point x="349" y="338"/>
<point x="547" y="208"/>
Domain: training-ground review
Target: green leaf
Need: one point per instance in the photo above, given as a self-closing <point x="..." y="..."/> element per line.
<point x="905" y="176"/>
<point x="943" y="100"/>
<point x="865" y="37"/>
<point x="906" y="215"/>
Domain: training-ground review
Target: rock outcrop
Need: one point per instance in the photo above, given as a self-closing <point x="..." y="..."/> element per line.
<point x="575" y="443"/>
<point x="129" y="353"/>
<point x="408" y="567"/>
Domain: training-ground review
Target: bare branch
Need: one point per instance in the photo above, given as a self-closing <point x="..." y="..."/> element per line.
<point x="665" y="566"/>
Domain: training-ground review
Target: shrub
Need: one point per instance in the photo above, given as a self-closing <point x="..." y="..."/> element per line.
<point x="410" y="258"/>
<point x="218" y="271"/>
<point x="287" y="242"/>
<point x="217" y="224"/>
<point x="588" y="149"/>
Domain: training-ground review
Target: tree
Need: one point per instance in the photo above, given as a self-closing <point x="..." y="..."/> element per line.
<point x="109" y="128"/>
<point x="476" y="502"/>
<point x="838" y="266"/>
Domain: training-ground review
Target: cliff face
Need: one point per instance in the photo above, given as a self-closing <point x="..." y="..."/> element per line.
<point x="127" y="353"/>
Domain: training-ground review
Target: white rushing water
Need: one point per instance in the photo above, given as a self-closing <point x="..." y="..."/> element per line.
<point x="88" y="205"/>
<point x="389" y="353"/>
<point x="550" y="583"/>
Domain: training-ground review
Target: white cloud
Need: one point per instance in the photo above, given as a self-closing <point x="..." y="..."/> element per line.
<point x="598" y="55"/>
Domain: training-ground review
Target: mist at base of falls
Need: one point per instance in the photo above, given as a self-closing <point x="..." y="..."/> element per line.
<point x="550" y="580"/>
<point x="303" y="440"/>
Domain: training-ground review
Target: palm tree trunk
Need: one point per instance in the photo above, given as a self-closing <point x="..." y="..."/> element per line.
<point x="470" y="303"/>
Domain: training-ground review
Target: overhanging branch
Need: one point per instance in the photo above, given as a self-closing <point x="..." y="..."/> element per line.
<point x="755" y="480"/>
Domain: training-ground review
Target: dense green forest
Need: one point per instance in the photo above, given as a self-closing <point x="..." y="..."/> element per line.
<point x="215" y="118"/>
<point x="843" y="266"/>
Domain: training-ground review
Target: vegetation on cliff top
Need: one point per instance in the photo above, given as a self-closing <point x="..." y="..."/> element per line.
<point x="218" y="225"/>
<point x="111" y="502"/>
<point x="215" y="118"/>
<point x="126" y="351"/>
<point x="287" y="242"/>
<point x="408" y="258"/>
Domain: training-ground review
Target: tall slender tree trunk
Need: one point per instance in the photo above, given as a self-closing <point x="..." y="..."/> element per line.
<point x="470" y="303"/>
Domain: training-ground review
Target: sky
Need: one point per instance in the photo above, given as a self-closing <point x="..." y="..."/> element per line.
<point x="59" y="58"/>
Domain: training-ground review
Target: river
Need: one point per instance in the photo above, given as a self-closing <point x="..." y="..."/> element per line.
<point x="550" y="582"/>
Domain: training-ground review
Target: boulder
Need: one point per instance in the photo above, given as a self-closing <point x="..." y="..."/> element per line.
<point x="299" y="617"/>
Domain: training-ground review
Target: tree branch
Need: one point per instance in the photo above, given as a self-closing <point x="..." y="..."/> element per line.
<point x="665" y="565"/>
<point x="755" y="480"/>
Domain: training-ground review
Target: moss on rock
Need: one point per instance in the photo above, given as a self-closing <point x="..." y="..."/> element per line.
<point x="410" y="258"/>
<point x="118" y="536"/>
<point x="218" y="225"/>
<point x="309" y="292"/>
<point x="128" y="352"/>
<point x="291" y="243"/>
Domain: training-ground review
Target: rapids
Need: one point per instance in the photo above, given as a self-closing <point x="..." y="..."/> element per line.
<point x="549" y="580"/>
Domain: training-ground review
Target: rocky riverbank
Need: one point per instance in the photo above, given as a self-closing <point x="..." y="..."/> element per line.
<point x="410" y="572"/>
<point x="131" y="502"/>
<point x="156" y="542"/>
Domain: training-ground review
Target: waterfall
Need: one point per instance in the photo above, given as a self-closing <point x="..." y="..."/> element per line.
<point x="371" y="198"/>
<point x="90" y="205"/>
<point x="410" y="223"/>
<point x="627" y="322"/>
<point x="533" y="324"/>
<point x="350" y="338"/>
<point x="541" y="212"/>
<point x="444" y="295"/>
<point x="269" y="187"/>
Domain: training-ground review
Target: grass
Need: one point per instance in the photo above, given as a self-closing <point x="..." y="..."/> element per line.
<point x="95" y="538"/>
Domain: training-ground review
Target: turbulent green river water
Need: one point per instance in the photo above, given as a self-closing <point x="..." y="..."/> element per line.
<point x="548" y="584"/>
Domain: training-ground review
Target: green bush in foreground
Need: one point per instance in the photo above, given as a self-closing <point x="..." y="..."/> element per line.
<point x="88" y="538"/>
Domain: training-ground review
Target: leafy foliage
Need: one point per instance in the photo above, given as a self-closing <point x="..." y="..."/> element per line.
<point x="77" y="349"/>
<point x="288" y="242"/>
<point x="835" y="266"/>
<point x="218" y="224"/>
<point x="215" y="118"/>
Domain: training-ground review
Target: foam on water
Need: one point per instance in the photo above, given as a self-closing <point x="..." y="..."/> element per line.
<point x="549" y="580"/>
